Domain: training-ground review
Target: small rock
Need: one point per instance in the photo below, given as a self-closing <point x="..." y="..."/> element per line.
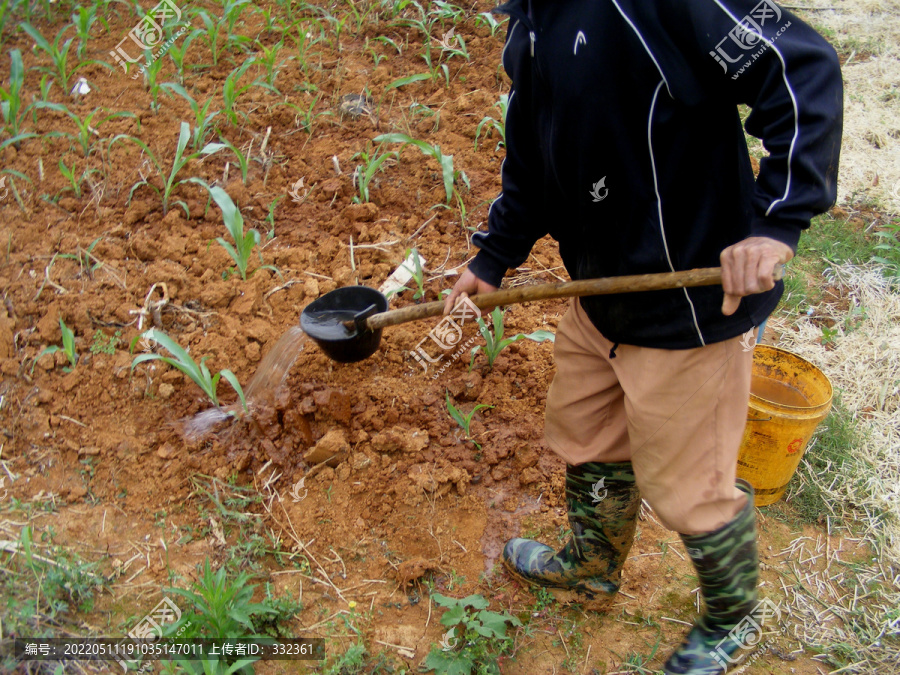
<point x="166" y="451"/>
<point x="331" y="447"/>
<point x="165" y="390"/>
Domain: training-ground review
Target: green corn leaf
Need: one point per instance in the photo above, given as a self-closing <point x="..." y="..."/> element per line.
<point x="410" y="79"/>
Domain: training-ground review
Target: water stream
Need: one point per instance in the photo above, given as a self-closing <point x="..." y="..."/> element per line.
<point x="270" y="375"/>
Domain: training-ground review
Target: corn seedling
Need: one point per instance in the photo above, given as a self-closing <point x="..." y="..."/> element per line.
<point x="176" y="53"/>
<point x="231" y="92"/>
<point x="202" y="117"/>
<point x="243" y="159"/>
<point x="476" y="640"/>
<point x="87" y="127"/>
<point x="496" y="343"/>
<point x="58" y="51"/>
<point x="305" y="118"/>
<point x="83" y="19"/>
<point x="464" y="421"/>
<point x="231" y="14"/>
<point x="496" y="125"/>
<point x="11" y="99"/>
<point x="209" y="33"/>
<point x="75" y="179"/>
<point x="445" y="161"/>
<point x="244" y="242"/>
<point x="180" y="360"/>
<point x="68" y="348"/>
<point x="169" y="176"/>
<point x="372" y="162"/>
<point x="490" y="21"/>
<point x="268" y="56"/>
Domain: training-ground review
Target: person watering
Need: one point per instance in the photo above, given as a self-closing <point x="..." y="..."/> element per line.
<point x="624" y="143"/>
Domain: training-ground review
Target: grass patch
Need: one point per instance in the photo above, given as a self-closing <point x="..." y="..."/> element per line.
<point x="831" y="459"/>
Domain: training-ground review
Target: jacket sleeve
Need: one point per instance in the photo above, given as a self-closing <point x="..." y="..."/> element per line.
<point x="515" y="220"/>
<point x="760" y="54"/>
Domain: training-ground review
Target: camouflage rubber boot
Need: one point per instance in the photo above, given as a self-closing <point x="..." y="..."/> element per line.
<point x="603" y="501"/>
<point x="727" y="566"/>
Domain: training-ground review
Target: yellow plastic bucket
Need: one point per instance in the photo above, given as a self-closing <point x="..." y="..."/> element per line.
<point x="789" y="397"/>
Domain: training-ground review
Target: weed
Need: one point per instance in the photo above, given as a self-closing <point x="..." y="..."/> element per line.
<point x="268" y="56"/>
<point x="68" y="348"/>
<point x="219" y="608"/>
<point x="889" y="249"/>
<point x="464" y="421"/>
<point x="830" y="458"/>
<point x="477" y="637"/>
<point x="105" y="344"/>
<point x="182" y="361"/>
<point x="178" y="163"/>
<point x="85" y="258"/>
<point x="495" y="343"/>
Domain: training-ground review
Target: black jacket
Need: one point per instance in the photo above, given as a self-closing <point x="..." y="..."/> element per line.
<point x="624" y="143"/>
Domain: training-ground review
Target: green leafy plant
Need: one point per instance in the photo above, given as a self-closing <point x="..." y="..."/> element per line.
<point x="85" y="258"/>
<point x="489" y="20"/>
<point x="244" y="242"/>
<point x="202" y="117"/>
<point x="182" y="361"/>
<point x="169" y="175"/>
<point x="889" y="249"/>
<point x="464" y="421"/>
<point x="68" y="348"/>
<point x="83" y="19"/>
<point x="495" y="125"/>
<point x="209" y="33"/>
<point x="476" y="640"/>
<point x="496" y="343"/>
<point x="11" y="99"/>
<point x="231" y="91"/>
<point x="87" y="127"/>
<point x="105" y="344"/>
<point x="372" y="162"/>
<point x="434" y="151"/>
<point x="58" y="51"/>
<point x="219" y="608"/>
<point x="243" y="159"/>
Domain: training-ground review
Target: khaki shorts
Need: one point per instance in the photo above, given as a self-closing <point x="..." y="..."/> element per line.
<point x="677" y="415"/>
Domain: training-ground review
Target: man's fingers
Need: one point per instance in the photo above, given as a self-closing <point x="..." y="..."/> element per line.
<point x="730" y="304"/>
<point x="766" y="271"/>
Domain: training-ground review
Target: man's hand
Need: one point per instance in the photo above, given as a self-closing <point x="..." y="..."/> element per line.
<point x="467" y="284"/>
<point x="747" y="268"/>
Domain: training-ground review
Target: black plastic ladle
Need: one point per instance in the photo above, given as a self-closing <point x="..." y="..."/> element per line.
<point x="347" y="322"/>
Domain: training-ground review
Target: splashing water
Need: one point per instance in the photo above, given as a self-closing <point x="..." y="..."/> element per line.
<point x="270" y="375"/>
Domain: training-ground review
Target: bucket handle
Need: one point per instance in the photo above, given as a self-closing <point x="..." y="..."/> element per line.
<point x="759" y="419"/>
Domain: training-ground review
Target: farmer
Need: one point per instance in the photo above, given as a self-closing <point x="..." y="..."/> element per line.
<point x="624" y="143"/>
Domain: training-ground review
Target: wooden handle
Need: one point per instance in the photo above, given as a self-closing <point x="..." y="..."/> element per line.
<point x="709" y="276"/>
